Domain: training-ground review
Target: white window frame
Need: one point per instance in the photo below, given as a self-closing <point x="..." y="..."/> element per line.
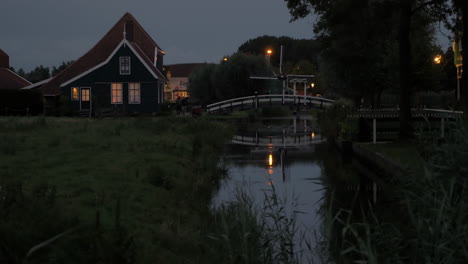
<point x="121" y="60"/>
<point x="89" y="95"/>
<point x="79" y="95"/>
<point x="112" y="93"/>
<point x="137" y="87"/>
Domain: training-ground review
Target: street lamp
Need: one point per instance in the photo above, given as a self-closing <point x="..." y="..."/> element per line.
<point x="437" y="59"/>
<point x="268" y="54"/>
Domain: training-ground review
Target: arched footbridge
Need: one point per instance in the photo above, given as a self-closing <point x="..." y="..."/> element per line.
<point x="253" y="102"/>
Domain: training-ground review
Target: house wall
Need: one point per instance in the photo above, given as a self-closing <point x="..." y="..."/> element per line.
<point x="178" y="86"/>
<point x="101" y="79"/>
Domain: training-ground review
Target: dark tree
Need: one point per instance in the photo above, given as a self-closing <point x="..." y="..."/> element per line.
<point x="64" y="65"/>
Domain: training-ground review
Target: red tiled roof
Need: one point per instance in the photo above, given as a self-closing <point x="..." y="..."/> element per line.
<point x="10" y="80"/>
<point x="182" y="70"/>
<point x="103" y="49"/>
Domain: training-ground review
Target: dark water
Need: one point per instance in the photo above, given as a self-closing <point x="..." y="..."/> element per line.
<point x="288" y="165"/>
<point x="310" y="178"/>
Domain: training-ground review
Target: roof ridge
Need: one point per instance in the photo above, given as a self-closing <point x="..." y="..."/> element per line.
<point x="144" y="54"/>
<point x="128" y="14"/>
<point x="18" y="75"/>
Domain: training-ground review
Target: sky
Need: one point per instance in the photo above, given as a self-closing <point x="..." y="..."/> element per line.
<point x="47" y="32"/>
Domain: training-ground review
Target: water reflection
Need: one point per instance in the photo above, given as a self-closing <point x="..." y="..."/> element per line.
<point x="310" y="178"/>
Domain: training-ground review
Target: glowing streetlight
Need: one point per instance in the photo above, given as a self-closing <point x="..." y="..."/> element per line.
<point x="437" y="59"/>
<point x="312" y="85"/>
<point x="268" y="55"/>
<point x="225" y="59"/>
<point x="270" y="160"/>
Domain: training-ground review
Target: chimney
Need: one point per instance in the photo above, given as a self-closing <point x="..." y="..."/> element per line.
<point x="129" y="30"/>
<point x="4" y="60"/>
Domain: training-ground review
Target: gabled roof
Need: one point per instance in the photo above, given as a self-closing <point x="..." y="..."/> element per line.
<point x="183" y="69"/>
<point x="10" y="80"/>
<point x="142" y="43"/>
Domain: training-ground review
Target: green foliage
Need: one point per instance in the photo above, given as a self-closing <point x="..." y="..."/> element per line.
<point x="269" y="111"/>
<point x="230" y="79"/>
<point x="295" y="50"/>
<point x="133" y="188"/>
<point x="334" y="123"/>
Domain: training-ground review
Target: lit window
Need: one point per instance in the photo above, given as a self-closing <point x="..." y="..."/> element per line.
<point x="124" y="65"/>
<point x="116" y="93"/>
<point x="133" y="93"/>
<point x="85" y="95"/>
<point x="75" y="96"/>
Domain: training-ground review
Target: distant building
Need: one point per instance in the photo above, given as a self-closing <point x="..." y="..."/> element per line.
<point x="121" y="73"/>
<point x="177" y="80"/>
<point x="14" y="100"/>
<point x="8" y="79"/>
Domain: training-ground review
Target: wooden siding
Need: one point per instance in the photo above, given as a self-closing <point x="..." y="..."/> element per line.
<point x="101" y="79"/>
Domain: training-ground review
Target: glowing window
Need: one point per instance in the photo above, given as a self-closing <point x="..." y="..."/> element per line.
<point x="116" y="93"/>
<point x="133" y="93"/>
<point x="124" y="65"/>
<point x="85" y="95"/>
<point x="75" y="94"/>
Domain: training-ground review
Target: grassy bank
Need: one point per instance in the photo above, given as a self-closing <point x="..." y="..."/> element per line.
<point x="422" y="220"/>
<point x="128" y="190"/>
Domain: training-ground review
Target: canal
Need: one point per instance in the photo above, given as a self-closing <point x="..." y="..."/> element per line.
<point x="287" y="159"/>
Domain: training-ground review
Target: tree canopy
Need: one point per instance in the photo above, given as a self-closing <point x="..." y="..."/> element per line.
<point x="379" y="45"/>
<point x="229" y="79"/>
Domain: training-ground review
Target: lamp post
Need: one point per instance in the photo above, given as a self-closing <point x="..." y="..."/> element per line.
<point x="268" y="55"/>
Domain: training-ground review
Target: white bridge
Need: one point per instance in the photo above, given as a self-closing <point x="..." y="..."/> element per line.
<point x="253" y="102"/>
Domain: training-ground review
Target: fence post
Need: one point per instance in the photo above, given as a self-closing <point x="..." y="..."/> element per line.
<point x="374" y="130"/>
<point x="442" y="127"/>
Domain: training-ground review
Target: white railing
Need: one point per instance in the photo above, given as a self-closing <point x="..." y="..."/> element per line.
<point x="249" y="102"/>
<point x="280" y="141"/>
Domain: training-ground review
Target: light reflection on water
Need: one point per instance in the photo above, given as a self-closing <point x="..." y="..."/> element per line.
<point x="293" y="172"/>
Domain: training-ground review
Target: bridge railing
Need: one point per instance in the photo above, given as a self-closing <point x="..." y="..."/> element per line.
<point x="254" y="101"/>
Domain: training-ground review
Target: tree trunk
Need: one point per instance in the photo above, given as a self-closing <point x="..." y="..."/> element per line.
<point x="464" y="83"/>
<point x="405" y="70"/>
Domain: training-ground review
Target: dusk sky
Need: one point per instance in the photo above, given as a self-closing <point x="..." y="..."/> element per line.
<point x="48" y="32"/>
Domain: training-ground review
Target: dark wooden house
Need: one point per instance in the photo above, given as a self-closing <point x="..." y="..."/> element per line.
<point x="122" y="73"/>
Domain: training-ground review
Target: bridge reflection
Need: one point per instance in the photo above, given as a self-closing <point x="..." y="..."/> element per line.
<point x="300" y="139"/>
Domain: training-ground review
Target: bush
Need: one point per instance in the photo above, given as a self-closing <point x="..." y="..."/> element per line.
<point x="334" y="123"/>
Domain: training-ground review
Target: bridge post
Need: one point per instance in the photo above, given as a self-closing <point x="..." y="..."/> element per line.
<point x="304" y="93"/>
<point x="374" y="130"/>
<point x="442" y="127"/>
<point x="282" y="101"/>
<point x="282" y="138"/>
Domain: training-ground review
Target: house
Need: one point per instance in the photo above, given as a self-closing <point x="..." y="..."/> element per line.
<point x="177" y="80"/>
<point x="8" y="79"/>
<point x="121" y="73"/>
<point x="13" y="100"/>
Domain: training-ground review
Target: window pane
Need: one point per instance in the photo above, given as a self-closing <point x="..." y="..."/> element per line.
<point x="124" y="65"/>
<point x="75" y="93"/>
<point x="116" y="93"/>
<point x="134" y="93"/>
<point x="85" y="95"/>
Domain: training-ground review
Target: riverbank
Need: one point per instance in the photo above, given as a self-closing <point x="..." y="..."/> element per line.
<point x="130" y="190"/>
<point x="421" y="209"/>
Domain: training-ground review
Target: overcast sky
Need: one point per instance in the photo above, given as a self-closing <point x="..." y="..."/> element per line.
<point x="47" y="32"/>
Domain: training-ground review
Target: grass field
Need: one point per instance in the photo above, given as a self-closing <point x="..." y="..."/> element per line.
<point x="137" y="190"/>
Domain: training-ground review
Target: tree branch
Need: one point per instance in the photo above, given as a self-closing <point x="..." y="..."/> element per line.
<point x="423" y="5"/>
